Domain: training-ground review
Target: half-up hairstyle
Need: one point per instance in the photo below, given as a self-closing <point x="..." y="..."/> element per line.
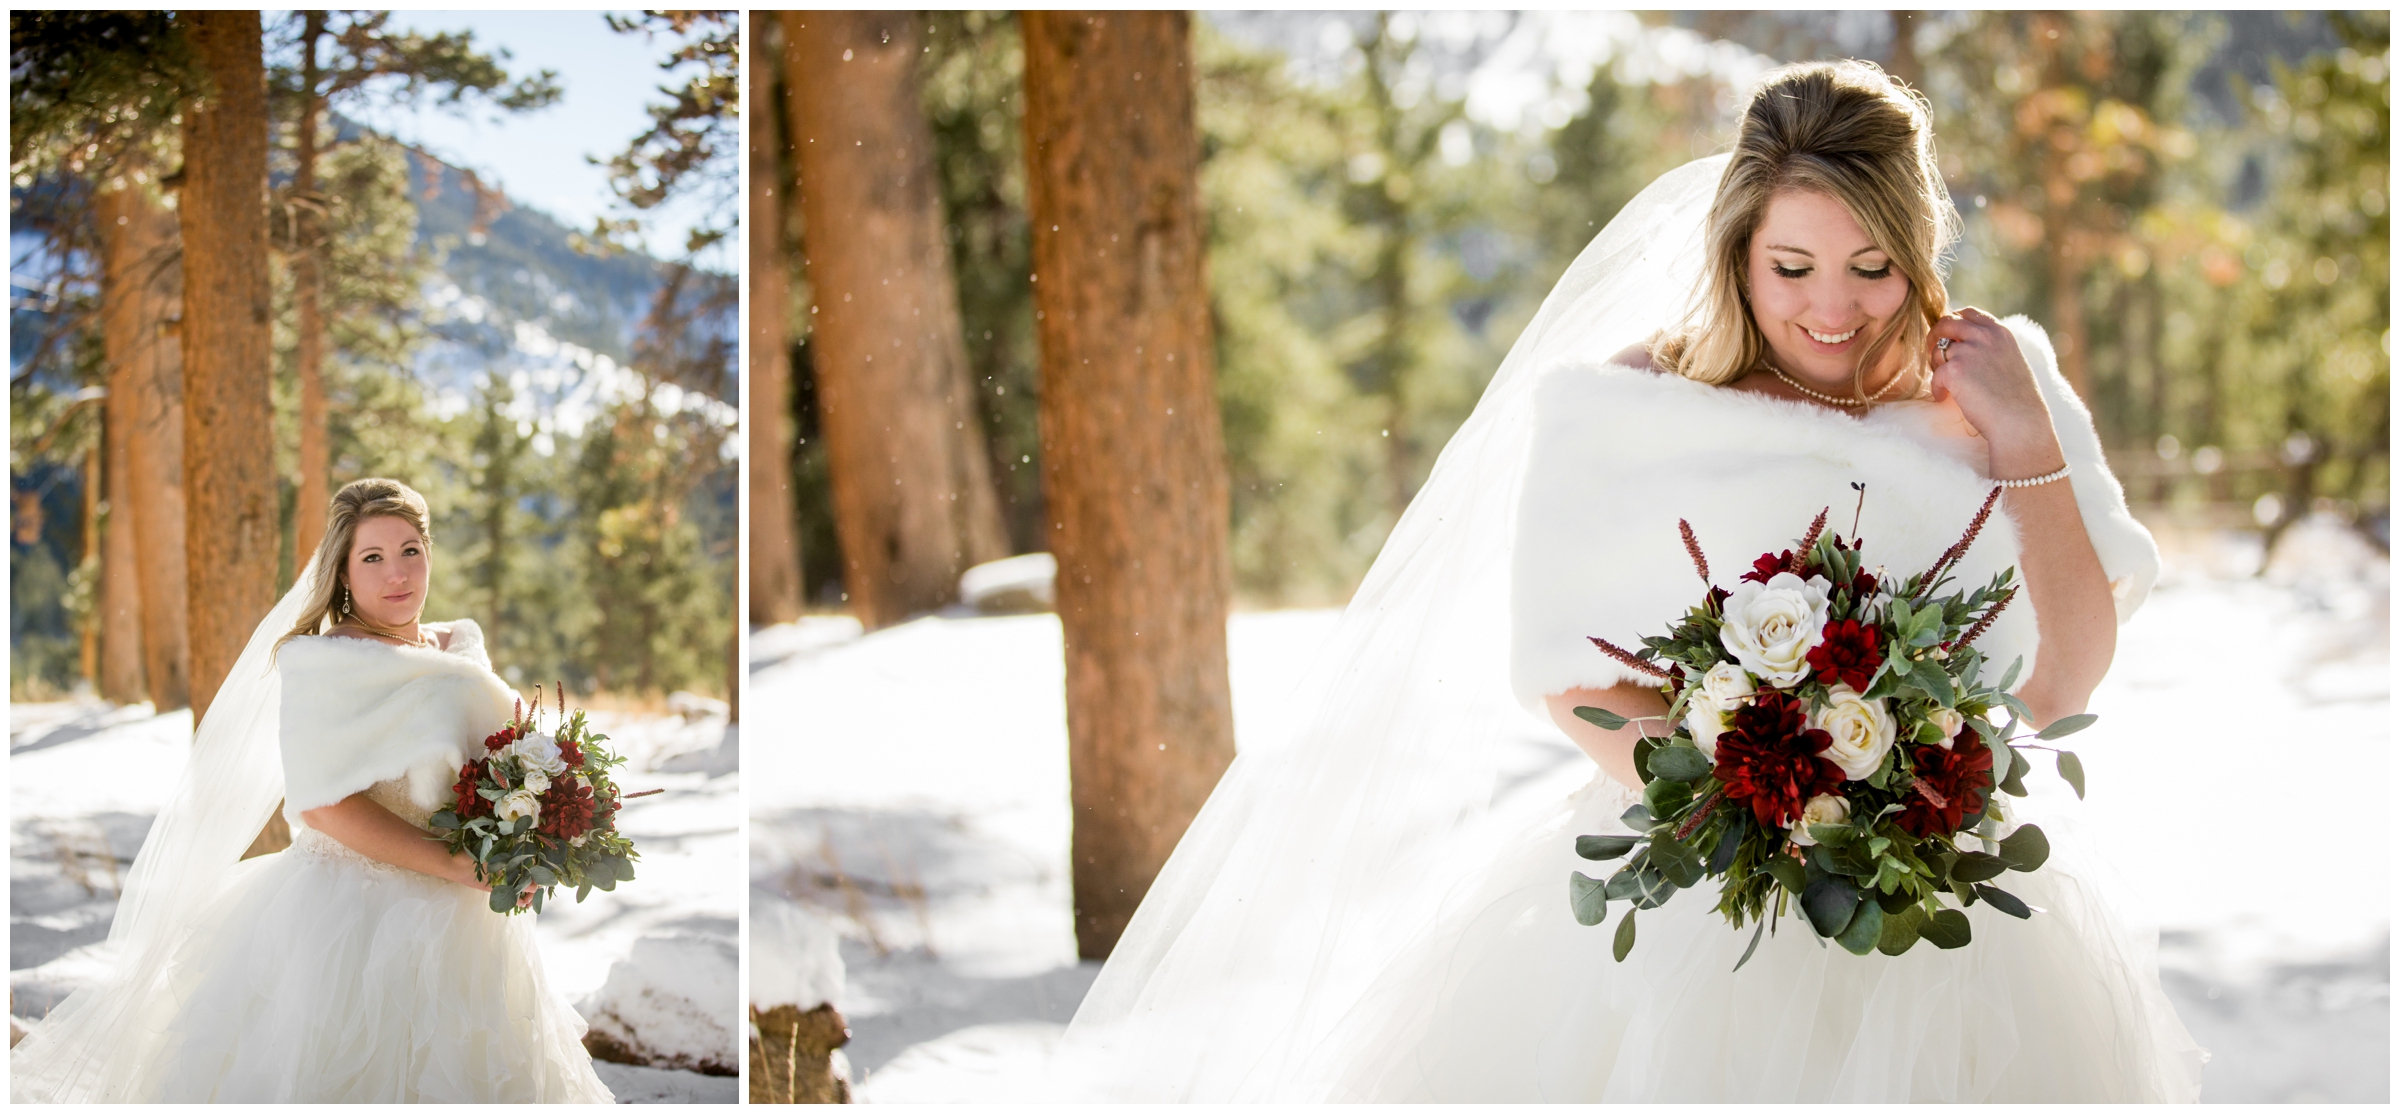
<point x="1848" y="131"/>
<point x="356" y="502"/>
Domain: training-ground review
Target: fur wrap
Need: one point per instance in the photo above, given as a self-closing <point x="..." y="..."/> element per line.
<point x="357" y="712"/>
<point x="1619" y="454"/>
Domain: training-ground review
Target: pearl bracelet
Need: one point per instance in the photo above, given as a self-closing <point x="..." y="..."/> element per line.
<point x="2037" y="481"/>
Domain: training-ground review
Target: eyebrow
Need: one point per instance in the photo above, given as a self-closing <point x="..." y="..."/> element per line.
<point x="1812" y="255"/>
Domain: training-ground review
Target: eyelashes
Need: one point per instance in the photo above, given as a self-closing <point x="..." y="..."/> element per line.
<point x="373" y="558"/>
<point x="1781" y="271"/>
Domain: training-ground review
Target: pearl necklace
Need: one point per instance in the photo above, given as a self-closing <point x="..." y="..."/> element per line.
<point x="1829" y="400"/>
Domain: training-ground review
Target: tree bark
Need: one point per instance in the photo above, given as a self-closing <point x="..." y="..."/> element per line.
<point x="229" y="430"/>
<point x="912" y="491"/>
<point x="141" y="292"/>
<point x="1132" y="454"/>
<point x="775" y="592"/>
<point x="308" y="286"/>
<point x="120" y="582"/>
<point x="91" y="560"/>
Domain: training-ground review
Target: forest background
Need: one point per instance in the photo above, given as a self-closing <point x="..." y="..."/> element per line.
<point x="565" y="399"/>
<point x="2195" y="205"/>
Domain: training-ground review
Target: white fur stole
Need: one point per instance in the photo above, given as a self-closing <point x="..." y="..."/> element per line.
<point x="1619" y="454"/>
<point x="356" y="712"/>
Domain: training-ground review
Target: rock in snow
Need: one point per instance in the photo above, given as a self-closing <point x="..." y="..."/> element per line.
<point x="670" y="1004"/>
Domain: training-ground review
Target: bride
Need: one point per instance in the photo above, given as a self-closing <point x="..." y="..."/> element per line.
<point x="1367" y="913"/>
<point x="363" y="963"/>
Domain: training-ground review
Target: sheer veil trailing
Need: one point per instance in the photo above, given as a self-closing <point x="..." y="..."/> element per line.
<point x="1304" y="874"/>
<point x="85" y="1048"/>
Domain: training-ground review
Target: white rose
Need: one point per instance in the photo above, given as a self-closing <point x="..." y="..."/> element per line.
<point x="1824" y="808"/>
<point x="1714" y="697"/>
<point x="536" y="781"/>
<point x="539" y="752"/>
<point x="517" y="803"/>
<point x="1948" y="721"/>
<point x="1771" y="627"/>
<point x="1862" y="731"/>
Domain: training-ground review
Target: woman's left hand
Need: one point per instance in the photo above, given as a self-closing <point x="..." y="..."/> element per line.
<point x="1984" y="371"/>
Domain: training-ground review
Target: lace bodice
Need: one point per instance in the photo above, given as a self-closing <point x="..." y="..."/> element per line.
<point x="393" y="796"/>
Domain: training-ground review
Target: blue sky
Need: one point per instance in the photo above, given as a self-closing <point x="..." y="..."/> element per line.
<point x="540" y="157"/>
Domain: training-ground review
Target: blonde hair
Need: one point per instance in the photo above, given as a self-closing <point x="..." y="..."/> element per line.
<point x="356" y="502"/>
<point x="1852" y="133"/>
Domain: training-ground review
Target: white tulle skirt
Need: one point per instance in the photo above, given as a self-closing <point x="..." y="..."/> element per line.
<point x="323" y="976"/>
<point x="1505" y="998"/>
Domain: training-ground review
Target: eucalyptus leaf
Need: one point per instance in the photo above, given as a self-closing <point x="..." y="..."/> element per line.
<point x="2004" y="901"/>
<point x="1865" y="928"/>
<point x="1605" y="719"/>
<point x="1829" y="902"/>
<point x="1652" y="889"/>
<point x="1755" y="935"/>
<point x="1901" y="929"/>
<point x="1624" y="884"/>
<point x="2018" y="767"/>
<point x="1975" y="866"/>
<point x="1679" y="763"/>
<point x="444" y="820"/>
<point x="1624" y="941"/>
<point x="501" y="901"/>
<point x="2008" y="680"/>
<point x="1678" y="862"/>
<point x="1638" y="818"/>
<point x="2067" y="725"/>
<point x="2071" y="768"/>
<point x="1947" y="929"/>
<point x="1643" y="748"/>
<point x="1788" y="873"/>
<point x="1601" y="848"/>
<point x="1588" y="897"/>
<point x="2026" y="849"/>
<point x="1728" y="846"/>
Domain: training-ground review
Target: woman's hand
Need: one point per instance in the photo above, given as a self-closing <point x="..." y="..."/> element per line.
<point x="1985" y="373"/>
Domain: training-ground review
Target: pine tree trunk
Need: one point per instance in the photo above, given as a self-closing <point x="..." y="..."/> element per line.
<point x="229" y="430"/>
<point x="90" y="560"/>
<point x="120" y="582"/>
<point x="912" y="490"/>
<point x="308" y="286"/>
<point x="775" y="592"/>
<point x="1133" y="460"/>
<point x="141" y="298"/>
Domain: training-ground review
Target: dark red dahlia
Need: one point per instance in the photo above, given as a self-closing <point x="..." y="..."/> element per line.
<point x="1849" y="653"/>
<point x="1767" y="756"/>
<point x="566" y="810"/>
<point x="1767" y="565"/>
<point x="464" y="800"/>
<point x="1950" y="786"/>
<point x="570" y="753"/>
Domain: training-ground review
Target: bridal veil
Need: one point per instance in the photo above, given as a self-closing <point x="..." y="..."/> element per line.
<point x="87" y="1047"/>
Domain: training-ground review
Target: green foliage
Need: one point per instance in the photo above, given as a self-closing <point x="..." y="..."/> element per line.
<point x="89" y="90"/>
<point x="690" y="143"/>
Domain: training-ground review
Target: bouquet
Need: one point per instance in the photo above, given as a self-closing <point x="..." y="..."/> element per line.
<point x="1835" y="743"/>
<point x="539" y="809"/>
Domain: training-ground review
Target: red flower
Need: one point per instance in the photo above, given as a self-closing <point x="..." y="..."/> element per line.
<point x="1950" y="786"/>
<point x="466" y="802"/>
<point x="1768" y="756"/>
<point x="570" y="753"/>
<point x="1767" y="565"/>
<point x="1848" y="654"/>
<point x="566" y="810"/>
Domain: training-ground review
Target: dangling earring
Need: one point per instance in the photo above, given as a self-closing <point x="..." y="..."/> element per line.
<point x="345" y="599"/>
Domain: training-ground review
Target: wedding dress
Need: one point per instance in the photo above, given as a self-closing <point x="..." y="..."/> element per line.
<point x="1351" y="917"/>
<point x="316" y="973"/>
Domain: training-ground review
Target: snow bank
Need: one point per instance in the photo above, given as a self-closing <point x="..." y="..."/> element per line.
<point x="670" y="1004"/>
<point x="795" y="956"/>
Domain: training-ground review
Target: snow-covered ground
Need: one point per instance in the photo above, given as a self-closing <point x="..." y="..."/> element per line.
<point x="912" y="791"/>
<point x="72" y="837"/>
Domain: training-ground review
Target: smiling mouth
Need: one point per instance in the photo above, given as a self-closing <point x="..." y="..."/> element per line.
<point x="398" y="598"/>
<point x="1828" y="338"/>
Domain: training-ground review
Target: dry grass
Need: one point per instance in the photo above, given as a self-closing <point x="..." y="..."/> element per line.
<point x="791" y="1055"/>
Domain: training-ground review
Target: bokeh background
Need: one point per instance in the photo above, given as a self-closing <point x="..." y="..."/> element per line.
<point x="2195" y="205"/>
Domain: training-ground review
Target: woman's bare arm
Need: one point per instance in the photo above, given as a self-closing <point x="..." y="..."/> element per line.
<point x="1613" y="750"/>
<point x="371" y="830"/>
<point x="2075" y="614"/>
